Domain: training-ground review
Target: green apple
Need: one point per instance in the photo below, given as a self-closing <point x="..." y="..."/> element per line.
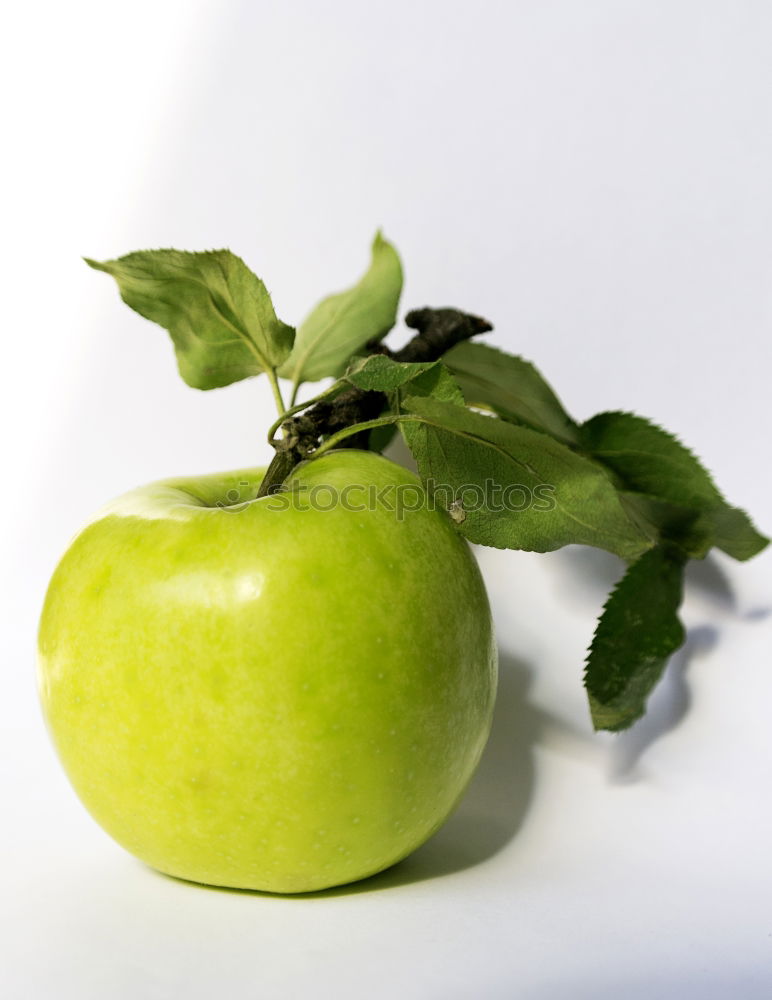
<point x="285" y="693"/>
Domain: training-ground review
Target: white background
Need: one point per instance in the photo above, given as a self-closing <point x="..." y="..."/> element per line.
<point x="593" y="176"/>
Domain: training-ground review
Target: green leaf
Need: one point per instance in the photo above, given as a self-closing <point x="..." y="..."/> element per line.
<point x="511" y="487"/>
<point x="648" y="460"/>
<point x="219" y="313"/>
<point x="379" y="373"/>
<point x="511" y="387"/>
<point x="637" y="632"/>
<point x="690" y="531"/>
<point x="342" y="324"/>
<point x="436" y="382"/>
<point x="735" y="533"/>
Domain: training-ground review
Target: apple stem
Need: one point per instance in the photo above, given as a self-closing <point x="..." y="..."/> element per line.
<point x="366" y="425"/>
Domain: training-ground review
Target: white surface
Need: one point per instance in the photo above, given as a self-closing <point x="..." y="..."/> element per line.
<point x="595" y="178"/>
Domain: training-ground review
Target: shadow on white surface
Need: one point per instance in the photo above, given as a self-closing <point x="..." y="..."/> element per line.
<point x="670" y="702"/>
<point x="496" y="802"/>
<point x="709" y="579"/>
<point x="668" y="706"/>
<point x="600" y="571"/>
<point x="705" y="984"/>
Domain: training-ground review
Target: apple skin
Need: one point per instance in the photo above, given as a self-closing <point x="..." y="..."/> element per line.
<point x="268" y="696"/>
